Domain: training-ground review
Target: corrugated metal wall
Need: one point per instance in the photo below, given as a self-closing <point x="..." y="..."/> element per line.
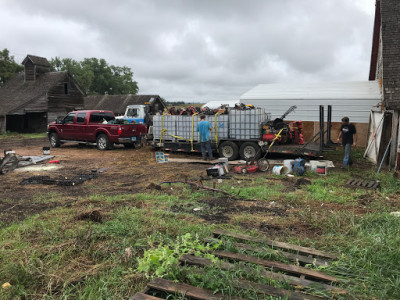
<point x="352" y="99"/>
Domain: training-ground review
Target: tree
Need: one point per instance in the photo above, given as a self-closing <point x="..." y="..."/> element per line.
<point x="8" y="66"/>
<point x="95" y="76"/>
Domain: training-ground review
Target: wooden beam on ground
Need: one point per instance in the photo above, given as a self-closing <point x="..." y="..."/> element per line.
<point x="186" y="290"/>
<point x="275" y="244"/>
<point x="297" y="282"/>
<point x="291" y="269"/>
<point x="290" y="256"/>
<point x="272" y="291"/>
<point x="141" y="296"/>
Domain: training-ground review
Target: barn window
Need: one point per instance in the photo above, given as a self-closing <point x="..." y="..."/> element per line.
<point x="66" y="88"/>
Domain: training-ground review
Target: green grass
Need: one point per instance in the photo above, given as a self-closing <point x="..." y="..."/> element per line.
<point x="56" y="256"/>
<point x="22" y="135"/>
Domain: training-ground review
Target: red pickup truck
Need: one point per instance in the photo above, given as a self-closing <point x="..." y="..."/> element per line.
<point x="95" y="126"/>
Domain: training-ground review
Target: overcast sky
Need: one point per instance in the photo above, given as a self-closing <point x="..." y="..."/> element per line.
<point x="196" y="50"/>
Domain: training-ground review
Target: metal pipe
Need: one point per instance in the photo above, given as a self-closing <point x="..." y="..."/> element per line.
<point x="321" y="127"/>
<point x="329" y="124"/>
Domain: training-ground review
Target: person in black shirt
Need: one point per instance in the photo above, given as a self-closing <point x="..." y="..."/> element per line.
<point x="348" y="134"/>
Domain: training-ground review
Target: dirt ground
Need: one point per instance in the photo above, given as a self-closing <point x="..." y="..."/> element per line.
<point x="122" y="171"/>
<point x="125" y="171"/>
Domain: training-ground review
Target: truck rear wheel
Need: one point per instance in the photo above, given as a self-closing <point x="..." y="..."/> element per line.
<point x="249" y="150"/>
<point x="102" y="142"/>
<point x="54" y="140"/>
<point x="228" y="150"/>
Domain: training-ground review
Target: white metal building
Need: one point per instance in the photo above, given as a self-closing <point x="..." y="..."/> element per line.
<point x="352" y="99"/>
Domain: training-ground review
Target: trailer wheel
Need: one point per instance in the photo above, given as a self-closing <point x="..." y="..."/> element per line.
<point x="102" y="142"/>
<point x="54" y="140"/>
<point x="229" y="150"/>
<point x="250" y="150"/>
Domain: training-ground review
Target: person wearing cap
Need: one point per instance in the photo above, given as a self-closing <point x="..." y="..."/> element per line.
<point x="204" y="128"/>
<point x="348" y="134"/>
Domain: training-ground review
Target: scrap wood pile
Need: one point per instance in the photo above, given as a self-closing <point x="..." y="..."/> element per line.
<point x="299" y="277"/>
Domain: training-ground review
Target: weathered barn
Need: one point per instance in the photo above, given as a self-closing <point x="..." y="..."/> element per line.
<point x="32" y="99"/>
<point x="118" y="103"/>
<point x="385" y="67"/>
<point x="352" y="99"/>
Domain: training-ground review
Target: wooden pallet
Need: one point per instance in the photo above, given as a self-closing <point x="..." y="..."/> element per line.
<point x="364" y="184"/>
<point x="296" y="276"/>
<point x="275" y="244"/>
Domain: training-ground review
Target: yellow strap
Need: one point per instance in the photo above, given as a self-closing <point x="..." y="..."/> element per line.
<point x="216" y="128"/>
<point x="191" y="140"/>
<point x="162" y="128"/>
<point x="277" y="136"/>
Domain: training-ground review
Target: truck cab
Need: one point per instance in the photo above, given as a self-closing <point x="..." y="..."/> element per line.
<point x="135" y="113"/>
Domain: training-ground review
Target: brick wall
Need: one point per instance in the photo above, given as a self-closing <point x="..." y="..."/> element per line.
<point x="390" y="12"/>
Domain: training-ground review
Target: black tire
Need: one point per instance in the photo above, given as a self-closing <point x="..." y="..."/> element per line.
<point x="263" y="164"/>
<point x="103" y="143"/>
<point x="250" y="151"/>
<point x="228" y="150"/>
<point x="54" y="140"/>
<point x="8" y="164"/>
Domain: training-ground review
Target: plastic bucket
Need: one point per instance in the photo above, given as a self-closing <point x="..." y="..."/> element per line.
<point x="288" y="163"/>
<point x="322" y="170"/>
<point x="280" y="170"/>
<point x="46" y="150"/>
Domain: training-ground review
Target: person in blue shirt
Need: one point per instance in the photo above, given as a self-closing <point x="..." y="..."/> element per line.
<point x="204" y="128"/>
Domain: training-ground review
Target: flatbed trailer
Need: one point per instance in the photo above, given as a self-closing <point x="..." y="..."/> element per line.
<point x="308" y="150"/>
<point x="239" y="133"/>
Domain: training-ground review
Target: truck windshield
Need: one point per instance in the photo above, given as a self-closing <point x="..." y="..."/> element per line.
<point x="132" y="112"/>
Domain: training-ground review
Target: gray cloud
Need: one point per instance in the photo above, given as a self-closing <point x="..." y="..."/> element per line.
<point x="200" y="50"/>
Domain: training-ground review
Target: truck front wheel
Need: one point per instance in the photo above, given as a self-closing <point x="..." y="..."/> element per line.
<point x="102" y="142"/>
<point x="54" y="140"/>
<point x="228" y="150"/>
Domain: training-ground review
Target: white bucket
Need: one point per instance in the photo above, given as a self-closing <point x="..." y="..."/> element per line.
<point x="280" y="170"/>
<point x="288" y="163"/>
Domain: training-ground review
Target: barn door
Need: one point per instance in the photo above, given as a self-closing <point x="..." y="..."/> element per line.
<point x="374" y="136"/>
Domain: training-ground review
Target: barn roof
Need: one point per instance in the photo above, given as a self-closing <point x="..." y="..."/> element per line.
<point x="117" y="103"/>
<point x="37" y="60"/>
<point x="17" y="92"/>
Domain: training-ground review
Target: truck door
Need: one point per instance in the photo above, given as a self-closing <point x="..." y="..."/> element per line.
<point x="80" y="129"/>
<point x="67" y="128"/>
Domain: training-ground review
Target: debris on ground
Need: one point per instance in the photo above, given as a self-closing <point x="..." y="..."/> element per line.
<point x="395" y="213"/>
<point x="65" y="181"/>
<point x="153" y="186"/>
<point x="94" y="216"/>
<point x="197" y="186"/>
<point x="364" y="184"/>
<point x="302" y="181"/>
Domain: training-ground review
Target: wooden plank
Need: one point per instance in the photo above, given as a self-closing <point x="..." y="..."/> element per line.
<point x="186" y="290"/>
<point x="272" y="291"/>
<point x="141" y="296"/>
<point x="275" y="244"/>
<point x="263" y="289"/>
<point x="292" y="269"/>
<point x="349" y="182"/>
<point x="294" y="281"/>
<point x="290" y="256"/>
